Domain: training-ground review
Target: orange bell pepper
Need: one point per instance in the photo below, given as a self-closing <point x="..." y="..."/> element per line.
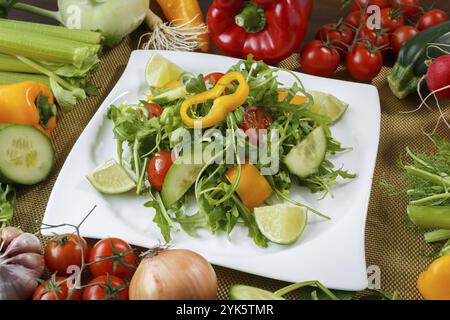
<point x="28" y="103"/>
<point x="297" y="100"/>
<point x="253" y="188"/>
<point x="434" y="283"/>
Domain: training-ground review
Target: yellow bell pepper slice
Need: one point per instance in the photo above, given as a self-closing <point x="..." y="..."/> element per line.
<point x="297" y="100"/>
<point x="253" y="188"/>
<point x="434" y="283"/>
<point x="222" y="104"/>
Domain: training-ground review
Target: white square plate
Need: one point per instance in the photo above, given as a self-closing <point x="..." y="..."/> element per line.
<point x="329" y="251"/>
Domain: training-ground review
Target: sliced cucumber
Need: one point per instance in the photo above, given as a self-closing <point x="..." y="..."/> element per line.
<point x="241" y="292"/>
<point x="305" y="158"/>
<point x="171" y="95"/>
<point x="26" y="155"/>
<point x="178" y="181"/>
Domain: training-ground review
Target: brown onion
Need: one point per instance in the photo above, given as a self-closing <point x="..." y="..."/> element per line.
<point x="174" y="275"/>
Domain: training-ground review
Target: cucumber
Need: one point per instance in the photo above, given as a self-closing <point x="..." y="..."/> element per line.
<point x="241" y="292"/>
<point x="26" y="155"/>
<point x="305" y="158"/>
<point x="178" y="181"/>
<point x="170" y="95"/>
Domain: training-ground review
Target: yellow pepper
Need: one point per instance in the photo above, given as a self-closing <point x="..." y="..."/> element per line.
<point x="434" y="283"/>
<point x="253" y="188"/>
<point x="297" y="100"/>
<point x="19" y="105"/>
<point x="171" y="85"/>
<point x="222" y="104"/>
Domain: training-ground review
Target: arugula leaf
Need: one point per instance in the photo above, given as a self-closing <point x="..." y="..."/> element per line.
<point x="193" y="84"/>
<point x="7" y="204"/>
<point x="161" y="218"/>
<point x="189" y="223"/>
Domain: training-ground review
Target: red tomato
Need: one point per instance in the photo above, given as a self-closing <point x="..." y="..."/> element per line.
<point x="410" y="8"/>
<point x="55" y="289"/>
<point x="432" y="18"/>
<point x="113" y="256"/>
<point x="401" y="35"/>
<point x="154" y="110"/>
<point x="317" y="59"/>
<point x="157" y="169"/>
<point x="354" y="18"/>
<point x="376" y="37"/>
<point x="106" y="287"/>
<point x="391" y="19"/>
<point x="64" y="251"/>
<point x="359" y="4"/>
<point x="255" y="119"/>
<point x="212" y="78"/>
<point x="338" y="35"/>
<point x="363" y="64"/>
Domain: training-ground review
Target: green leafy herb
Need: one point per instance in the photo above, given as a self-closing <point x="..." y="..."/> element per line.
<point x="7" y="204"/>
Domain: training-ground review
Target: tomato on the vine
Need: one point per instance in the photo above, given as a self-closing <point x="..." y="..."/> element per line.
<point x="157" y="168"/>
<point x="376" y="37"/>
<point x="354" y="18"/>
<point x="339" y="35"/>
<point x="153" y="110"/>
<point x="113" y="256"/>
<point x="64" y="251"/>
<point x="56" y="289"/>
<point x="106" y="287"/>
<point x="401" y="35"/>
<point x="212" y="78"/>
<point x="364" y="64"/>
<point x="432" y="18"/>
<point x="391" y="19"/>
<point x="410" y="8"/>
<point x="255" y="119"/>
<point x="359" y="4"/>
<point x="318" y="59"/>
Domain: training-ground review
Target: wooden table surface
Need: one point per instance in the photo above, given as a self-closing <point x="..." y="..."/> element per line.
<point x="324" y="11"/>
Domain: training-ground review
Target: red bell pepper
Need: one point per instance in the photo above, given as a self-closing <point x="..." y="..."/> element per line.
<point x="271" y="30"/>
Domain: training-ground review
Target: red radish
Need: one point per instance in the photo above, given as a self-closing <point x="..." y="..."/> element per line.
<point x="438" y="76"/>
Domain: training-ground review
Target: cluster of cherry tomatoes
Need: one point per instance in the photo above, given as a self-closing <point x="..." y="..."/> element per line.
<point x="362" y="47"/>
<point x="111" y="263"/>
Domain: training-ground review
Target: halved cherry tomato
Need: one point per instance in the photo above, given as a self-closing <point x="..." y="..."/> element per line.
<point x="154" y="110"/>
<point x="363" y="64"/>
<point x="64" y="251"/>
<point x="106" y="287"/>
<point x="339" y="35"/>
<point x="113" y="256"/>
<point x="410" y="8"/>
<point x="317" y="59"/>
<point x="432" y="18"/>
<point x="359" y="4"/>
<point x="401" y="35"/>
<point x="212" y="78"/>
<point x="391" y="19"/>
<point x="157" y="169"/>
<point x="255" y="119"/>
<point x="55" y="289"/>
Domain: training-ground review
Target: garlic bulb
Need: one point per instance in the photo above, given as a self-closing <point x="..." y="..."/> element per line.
<point x="21" y="264"/>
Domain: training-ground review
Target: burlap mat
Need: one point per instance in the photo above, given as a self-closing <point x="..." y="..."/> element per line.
<point x="396" y="248"/>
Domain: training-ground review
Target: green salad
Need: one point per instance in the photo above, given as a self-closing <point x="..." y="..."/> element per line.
<point x="201" y="138"/>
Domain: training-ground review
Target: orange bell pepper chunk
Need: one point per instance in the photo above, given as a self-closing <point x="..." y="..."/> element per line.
<point x="434" y="283"/>
<point x="297" y="100"/>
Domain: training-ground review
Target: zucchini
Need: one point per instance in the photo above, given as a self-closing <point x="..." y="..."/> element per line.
<point x="26" y="155"/>
<point x="410" y="66"/>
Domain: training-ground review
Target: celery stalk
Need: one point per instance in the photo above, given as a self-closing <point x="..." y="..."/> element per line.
<point x="15" y="77"/>
<point x="84" y="36"/>
<point x="437" y="235"/>
<point x="430" y="217"/>
<point x="46" y="48"/>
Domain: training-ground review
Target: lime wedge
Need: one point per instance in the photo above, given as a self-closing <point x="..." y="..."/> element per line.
<point x="240" y="292"/>
<point x="160" y="71"/>
<point x="111" y="178"/>
<point x="328" y="105"/>
<point x="281" y="224"/>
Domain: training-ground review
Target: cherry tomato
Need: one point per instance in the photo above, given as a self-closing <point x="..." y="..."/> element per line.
<point x="113" y="256"/>
<point x="359" y="4"/>
<point x="401" y="35"/>
<point x="376" y="37"/>
<point x="255" y="119"/>
<point x="432" y="18"/>
<point x="362" y="64"/>
<point x="55" y="289"/>
<point x="391" y="19"/>
<point x="354" y="18"/>
<point x="212" y="78"/>
<point x="64" y="251"/>
<point x="410" y="8"/>
<point x="157" y="169"/>
<point x="317" y="59"/>
<point x="154" y="110"/>
<point x="339" y="35"/>
<point x="106" y="287"/>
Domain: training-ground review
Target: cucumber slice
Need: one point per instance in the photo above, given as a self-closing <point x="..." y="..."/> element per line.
<point x="241" y="292"/>
<point x="178" y="181"/>
<point x="26" y="155"/>
<point x="170" y="95"/>
<point x="305" y="158"/>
